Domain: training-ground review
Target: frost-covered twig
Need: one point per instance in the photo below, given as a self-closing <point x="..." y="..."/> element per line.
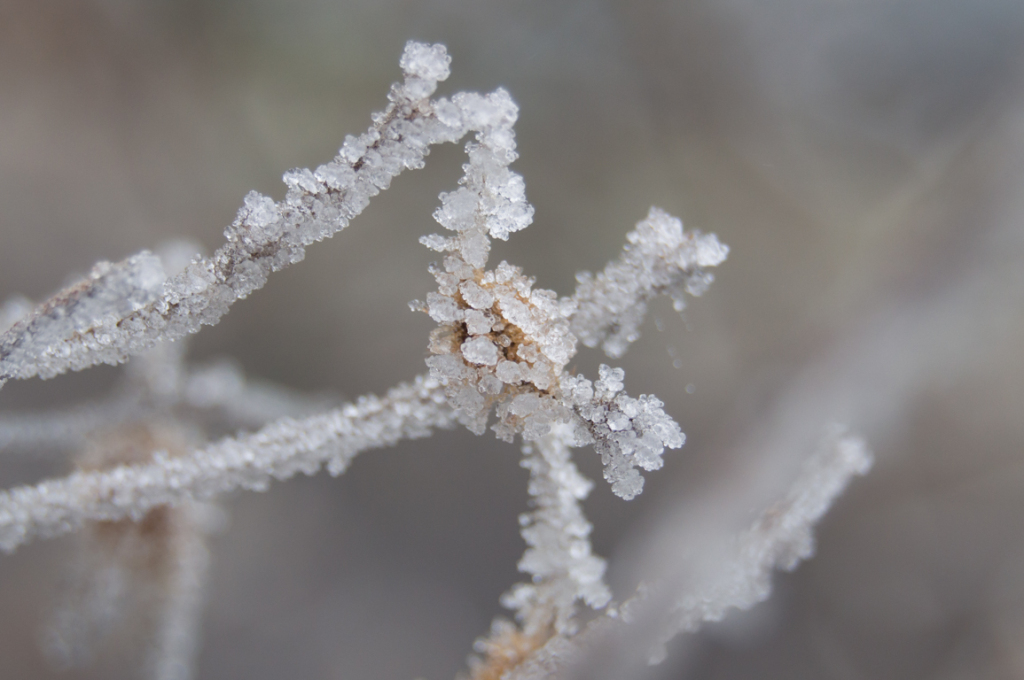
<point x="65" y="428"/>
<point x="136" y="578"/>
<point x="737" y="578"/>
<point x="558" y="558"/>
<point x="558" y="555"/>
<point x="278" y="451"/>
<point x="659" y="258"/>
<point x="218" y="392"/>
<point x="122" y="309"/>
<point x="224" y="391"/>
<point x="781" y="538"/>
<point x="177" y="630"/>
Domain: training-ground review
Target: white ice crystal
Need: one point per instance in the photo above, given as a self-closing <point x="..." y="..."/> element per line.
<point x="528" y="345"/>
<point x="480" y="350"/>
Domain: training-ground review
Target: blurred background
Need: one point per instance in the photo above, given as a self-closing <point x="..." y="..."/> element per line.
<point x="864" y="161"/>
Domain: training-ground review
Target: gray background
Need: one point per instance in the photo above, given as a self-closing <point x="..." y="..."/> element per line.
<point x="861" y="159"/>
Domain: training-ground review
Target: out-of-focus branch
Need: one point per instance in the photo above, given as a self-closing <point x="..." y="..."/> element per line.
<point x="702" y="587"/>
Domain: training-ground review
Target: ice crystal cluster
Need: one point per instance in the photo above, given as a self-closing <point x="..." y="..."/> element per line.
<point x="558" y="554"/>
<point x="503" y="344"/>
<point x="501" y="352"/>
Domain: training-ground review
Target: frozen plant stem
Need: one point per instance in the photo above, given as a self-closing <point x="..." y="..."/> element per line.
<point x="501" y="346"/>
<point x="781" y="538"/>
<point x="122" y="309"/>
<point x="278" y="451"/>
<point x="703" y="584"/>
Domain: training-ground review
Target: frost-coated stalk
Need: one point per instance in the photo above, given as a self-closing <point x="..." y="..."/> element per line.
<point x="740" y="577"/>
<point x="781" y="538"/>
<point x="122" y="309"/>
<point x="278" y="451"/>
<point x="558" y="556"/>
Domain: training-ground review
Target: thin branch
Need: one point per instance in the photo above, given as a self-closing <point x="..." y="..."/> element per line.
<point x="739" y="577"/>
<point x="220" y="393"/>
<point x="122" y="309"/>
<point x="558" y="557"/>
<point x="177" y="639"/>
<point x="278" y="451"/>
<point x="781" y="538"/>
<point x="62" y="429"/>
<point x="659" y="258"/>
<point x="239" y="400"/>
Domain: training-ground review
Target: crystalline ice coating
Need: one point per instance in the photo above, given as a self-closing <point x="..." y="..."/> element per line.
<point x="536" y="426"/>
<point x="540" y="375"/>
<point x="475" y="296"/>
<point x="435" y="242"/>
<point x="648" y="456"/>
<point x="659" y="258"/>
<point x="508" y="371"/>
<point x="442" y="308"/>
<point x="279" y="450"/>
<point x="529" y="352"/>
<point x="468" y="399"/>
<point x="516" y="311"/>
<point x="302" y="179"/>
<point x="475" y="248"/>
<point x="611" y="379"/>
<point x="710" y="252"/>
<point x="353" y="149"/>
<point x="448" y="368"/>
<point x="260" y="210"/>
<point x="630" y="407"/>
<point x="480" y="350"/>
<point x="524" y="404"/>
<point x="249" y="276"/>
<point x="577" y="389"/>
<point x="617" y="420"/>
<point x="430" y="62"/>
<point x="560" y="348"/>
<point x="489" y="384"/>
<point x="268" y="236"/>
<point x="418" y="88"/>
<point x="458" y="267"/>
<point x="335" y="175"/>
<point x="477" y="323"/>
<point x="320" y="203"/>
<point x="501" y="346"/>
<point x="629" y="485"/>
<point x="458" y="210"/>
<point x="558" y="557"/>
